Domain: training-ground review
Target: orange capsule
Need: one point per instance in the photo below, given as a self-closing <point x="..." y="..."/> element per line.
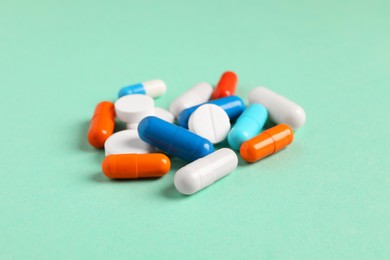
<point x="102" y="124"/>
<point x="133" y="166"/>
<point x="226" y="85"/>
<point x="267" y="143"/>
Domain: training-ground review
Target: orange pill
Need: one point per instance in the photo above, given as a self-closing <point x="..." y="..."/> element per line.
<point x="102" y="124"/>
<point x="226" y="85"/>
<point x="133" y="166"/>
<point x="267" y="143"/>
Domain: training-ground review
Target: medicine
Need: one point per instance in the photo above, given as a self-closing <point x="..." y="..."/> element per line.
<point x="226" y="85"/>
<point x="158" y="112"/>
<point x="173" y="139"/>
<point x="133" y="108"/>
<point x="267" y="143"/>
<point x="134" y="166"/>
<point x="125" y="142"/>
<point x="211" y="122"/>
<point x="232" y="105"/>
<point x="153" y="88"/>
<point x="198" y="94"/>
<point x="205" y="171"/>
<point x="102" y="124"/>
<point x="248" y="125"/>
<point x="280" y="109"/>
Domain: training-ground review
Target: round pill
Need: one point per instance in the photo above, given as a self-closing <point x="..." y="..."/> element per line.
<point x="164" y="114"/>
<point x="211" y="122"/>
<point x="125" y="142"/>
<point x="131" y="109"/>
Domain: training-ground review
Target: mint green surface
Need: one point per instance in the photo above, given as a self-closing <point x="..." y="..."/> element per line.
<point x="327" y="196"/>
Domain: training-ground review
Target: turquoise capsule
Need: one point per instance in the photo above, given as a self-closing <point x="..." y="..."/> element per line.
<point x="248" y="125"/>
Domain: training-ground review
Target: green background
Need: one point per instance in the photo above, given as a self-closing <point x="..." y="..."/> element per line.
<point x="326" y="196"/>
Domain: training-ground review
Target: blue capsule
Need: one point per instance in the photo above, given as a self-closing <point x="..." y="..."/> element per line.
<point x="248" y="125"/>
<point x="173" y="139"/>
<point x="153" y="88"/>
<point x="232" y="105"/>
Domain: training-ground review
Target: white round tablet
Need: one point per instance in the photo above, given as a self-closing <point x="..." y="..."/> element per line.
<point x="211" y="122"/>
<point x="131" y="109"/>
<point x="164" y="114"/>
<point x="127" y="141"/>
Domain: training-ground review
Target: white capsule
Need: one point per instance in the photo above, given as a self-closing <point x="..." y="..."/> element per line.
<point x="211" y="122"/>
<point x="127" y="141"/>
<point x="281" y="110"/>
<point x="155" y="88"/>
<point x="131" y="109"/>
<point x="205" y="171"/>
<point x="198" y="94"/>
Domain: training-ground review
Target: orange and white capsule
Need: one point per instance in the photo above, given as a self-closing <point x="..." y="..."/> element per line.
<point x="267" y="143"/>
<point x="134" y="166"/>
<point x="226" y="85"/>
<point x="102" y="124"/>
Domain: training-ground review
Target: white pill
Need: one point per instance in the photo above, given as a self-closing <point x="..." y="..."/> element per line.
<point x="198" y="94"/>
<point x="164" y="114"/>
<point x="211" y="122"/>
<point x="131" y="109"/>
<point x="281" y="110"/>
<point x="155" y="88"/>
<point x="205" y="171"/>
<point x="126" y="141"/>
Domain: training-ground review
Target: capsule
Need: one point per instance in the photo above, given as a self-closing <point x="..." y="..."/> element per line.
<point x="226" y="85"/>
<point x="205" y="171"/>
<point x="134" y="166"/>
<point x="198" y="94"/>
<point x="232" y="105"/>
<point x="248" y="125"/>
<point x="153" y="88"/>
<point x="173" y="139"/>
<point x="267" y="143"/>
<point x="102" y="124"/>
<point x="281" y="110"/>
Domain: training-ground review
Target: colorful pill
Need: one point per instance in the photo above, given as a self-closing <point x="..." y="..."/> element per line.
<point x="226" y="85"/>
<point x="102" y="124"/>
<point x="133" y="166"/>
<point x="205" y="171"/>
<point x="281" y="110"/>
<point x="267" y="143"/>
<point x="248" y="125"/>
<point x="153" y="88"/>
<point x="232" y="105"/>
<point x="173" y="139"/>
<point x="198" y="94"/>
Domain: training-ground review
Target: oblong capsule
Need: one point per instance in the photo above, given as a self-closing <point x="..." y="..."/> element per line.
<point x="102" y="124"/>
<point x="232" y="105"/>
<point x="205" y="171"/>
<point x="153" y="88"/>
<point x="173" y="139"/>
<point x="267" y="143"/>
<point x="226" y="85"/>
<point x="281" y="110"/>
<point x="248" y="125"/>
<point x="198" y="94"/>
<point x="133" y="166"/>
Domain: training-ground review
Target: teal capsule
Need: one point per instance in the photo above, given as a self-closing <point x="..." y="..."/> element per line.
<point x="248" y="125"/>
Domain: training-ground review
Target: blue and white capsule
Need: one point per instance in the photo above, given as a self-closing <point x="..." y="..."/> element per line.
<point x="232" y="105"/>
<point x="248" y="125"/>
<point x="173" y="139"/>
<point x="153" y="88"/>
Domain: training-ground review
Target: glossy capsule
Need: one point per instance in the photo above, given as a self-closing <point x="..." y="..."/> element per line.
<point x="173" y="139"/>
<point x="153" y="88"/>
<point x="267" y="143"/>
<point x="134" y="166"/>
<point x="102" y="124"/>
<point x="232" y="105"/>
<point x="281" y="110"/>
<point x="248" y="125"/>
<point x="226" y="85"/>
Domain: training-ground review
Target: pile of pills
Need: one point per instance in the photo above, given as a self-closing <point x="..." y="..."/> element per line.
<point x="204" y="117"/>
